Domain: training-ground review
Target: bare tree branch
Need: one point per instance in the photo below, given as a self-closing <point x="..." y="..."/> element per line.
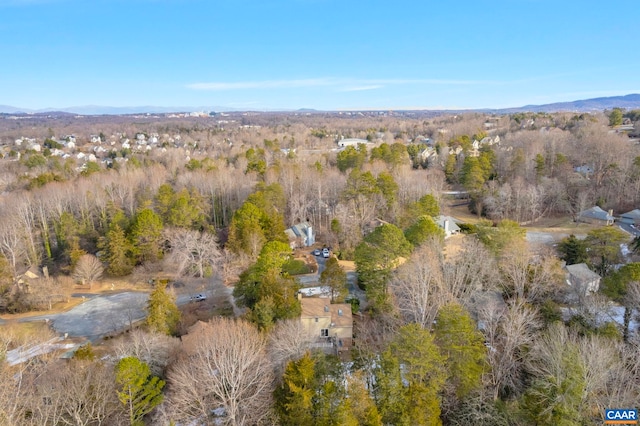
<point x="228" y="371"/>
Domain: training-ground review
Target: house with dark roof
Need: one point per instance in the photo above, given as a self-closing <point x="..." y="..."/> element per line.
<point x="596" y="216"/>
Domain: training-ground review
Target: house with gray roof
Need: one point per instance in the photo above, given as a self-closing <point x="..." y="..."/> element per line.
<point x="301" y="235"/>
<point x="448" y="224"/>
<point x="582" y="279"/>
<point x="631" y="218"/>
<point x="596" y="216"/>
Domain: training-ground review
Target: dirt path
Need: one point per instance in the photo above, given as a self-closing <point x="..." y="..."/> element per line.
<point x="229" y="292"/>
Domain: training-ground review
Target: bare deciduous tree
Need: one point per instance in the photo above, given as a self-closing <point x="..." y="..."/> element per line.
<point x="229" y="370"/>
<point x="473" y="269"/>
<point x="624" y="380"/>
<point x="527" y="275"/>
<point x="600" y="376"/>
<point x="88" y="270"/>
<point x="156" y="350"/>
<point x="193" y="252"/>
<point x="11" y="243"/>
<point x="288" y="341"/>
<point x="508" y="331"/>
<point x="418" y="286"/>
<point x="80" y="394"/>
<point x="232" y="265"/>
<point x="13" y="393"/>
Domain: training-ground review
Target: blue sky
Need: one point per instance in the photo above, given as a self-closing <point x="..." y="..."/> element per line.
<point x="322" y="54"/>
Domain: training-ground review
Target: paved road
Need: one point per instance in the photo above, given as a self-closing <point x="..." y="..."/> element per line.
<point x="627" y="228"/>
<point x="312" y="280"/>
<point x="101" y="315"/>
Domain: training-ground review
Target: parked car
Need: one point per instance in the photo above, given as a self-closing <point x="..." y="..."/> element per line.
<point x="198" y="298"/>
<point x="325" y="253"/>
<point x="316" y="252"/>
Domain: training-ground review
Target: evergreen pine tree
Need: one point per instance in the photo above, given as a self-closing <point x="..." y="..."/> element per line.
<point x="335" y="278"/>
<point x="117" y="252"/>
<point x="294" y="399"/>
<point x="146" y="236"/>
<point x="163" y="313"/>
<point x="463" y="345"/>
<point x="139" y="391"/>
<point x="573" y="250"/>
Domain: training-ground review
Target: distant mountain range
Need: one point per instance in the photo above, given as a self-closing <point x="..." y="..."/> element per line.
<point x="631" y="101"/>
<point x="586" y="105"/>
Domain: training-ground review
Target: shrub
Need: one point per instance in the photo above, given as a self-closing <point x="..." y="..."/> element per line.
<point x="296" y="267"/>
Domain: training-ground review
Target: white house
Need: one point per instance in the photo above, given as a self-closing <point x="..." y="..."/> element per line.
<point x="343" y="143"/>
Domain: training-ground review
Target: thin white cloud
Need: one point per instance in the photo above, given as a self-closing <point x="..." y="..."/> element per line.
<point x="361" y="88"/>
<point x="338" y="83"/>
<point x="266" y="84"/>
<point x="8" y="3"/>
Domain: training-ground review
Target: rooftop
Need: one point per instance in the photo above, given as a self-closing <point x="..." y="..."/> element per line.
<point x="340" y="313"/>
<point x="582" y="272"/>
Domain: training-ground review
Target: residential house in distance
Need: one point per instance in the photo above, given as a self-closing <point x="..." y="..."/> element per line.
<point x="584" y="170"/>
<point x="301" y="235"/>
<point x="448" y="224"/>
<point x="596" y="216"/>
<point x="428" y="155"/>
<point x="330" y="326"/>
<point x="582" y="279"/>
<point x="424" y="140"/>
<point x="476" y="145"/>
<point x="343" y="143"/>
<point x="631" y="218"/>
<point x="370" y="226"/>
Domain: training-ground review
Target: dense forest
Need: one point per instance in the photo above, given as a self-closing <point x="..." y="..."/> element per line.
<point x="483" y="332"/>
